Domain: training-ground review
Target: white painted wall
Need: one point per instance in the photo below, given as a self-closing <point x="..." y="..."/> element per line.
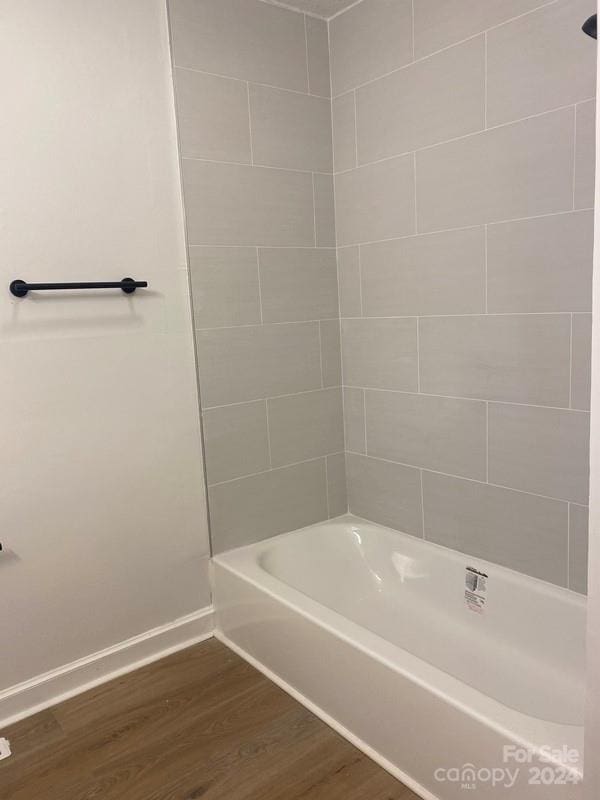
<point x="592" y="726"/>
<point x="102" y="509"/>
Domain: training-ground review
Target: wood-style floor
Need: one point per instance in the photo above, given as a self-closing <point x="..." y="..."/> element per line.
<point x="199" y="724"/>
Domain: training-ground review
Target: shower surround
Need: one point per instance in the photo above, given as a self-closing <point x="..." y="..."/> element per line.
<point x="463" y="149"/>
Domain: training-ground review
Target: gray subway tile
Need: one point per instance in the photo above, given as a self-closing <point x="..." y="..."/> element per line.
<point x="386" y="493"/>
<point x="344" y="132"/>
<point x="539" y="62"/>
<point x="324" y="210"/>
<point x="354" y="419"/>
<point x="438" y="25"/>
<point x="331" y="352"/>
<point x="517" y="530"/>
<point x="337" y="495"/>
<point x="427" y="102"/>
<point x="349" y="281"/>
<point x="235" y="441"/>
<point x="317" y="45"/>
<point x="585" y="154"/>
<point x="521" y="358"/>
<point x="290" y="130"/>
<point x="305" y="426"/>
<point x="251" y="509"/>
<point x="225" y="286"/>
<point x="369" y="40"/>
<point x="581" y="362"/>
<point x="438" y="433"/>
<point x="441" y="273"/>
<point x="375" y="202"/>
<point x="578" y="548"/>
<point x="380" y="353"/>
<point x="540" y="450"/>
<point x="298" y="284"/>
<point x="230" y="204"/>
<point x="244" y="39"/>
<point x="519" y="170"/>
<point x="241" y="364"/>
<point x="212" y="114"/>
<point x="541" y="264"/>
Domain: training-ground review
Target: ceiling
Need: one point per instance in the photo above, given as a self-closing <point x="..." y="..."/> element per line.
<point x="322" y="8"/>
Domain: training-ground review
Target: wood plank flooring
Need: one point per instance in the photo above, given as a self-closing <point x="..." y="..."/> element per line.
<point x="199" y="724"/>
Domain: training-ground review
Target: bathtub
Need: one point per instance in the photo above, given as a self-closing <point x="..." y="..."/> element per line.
<point x="454" y="674"/>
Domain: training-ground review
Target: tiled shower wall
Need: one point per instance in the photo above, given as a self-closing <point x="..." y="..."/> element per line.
<point x="254" y="113"/>
<point x="463" y="159"/>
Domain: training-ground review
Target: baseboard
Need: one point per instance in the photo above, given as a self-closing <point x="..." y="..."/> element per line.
<point x="327" y="719"/>
<point x="53" y="687"/>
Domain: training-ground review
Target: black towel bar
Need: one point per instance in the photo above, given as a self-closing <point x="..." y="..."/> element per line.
<point x="20" y="288"/>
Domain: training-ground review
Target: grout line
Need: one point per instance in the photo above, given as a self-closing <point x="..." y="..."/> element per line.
<point x="360" y="291"/>
<point x="253" y="164"/>
<point x="415" y="193"/>
<point x="270" y="246"/>
<point x="274" y="469"/>
<point x="474" y="314"/>
<point x="321" y="356"/>
<point x="314" y="202"/>
<point x="289" y="7"/>
<point x="412" y="19"/>
<point x="273" y="397"/>
<point x="571" y="364"/>
<point x="462" y="477"/>
<point x="344" y="10"/>
<point x="364" y="394"/>
<point x="268" y="433"/>
<point x="487" y="441"/>
<point x="568" y="583"/>
<point x="355" y="132"/>
<point x="467" y="399"/>
<point x="257" y="324"/>
<point x="463" y="136"/>
<point x="446" y="47"/>
<point x="574" y="151"/>
<point x="422" y="506"/>
<point x="260" y="303"/>
<point x="327" y="488"/>
<point x="244" y="80"/>
<point x="306" y="54"/>
<point x="418" y="357"/>
<point x="485" y="274"/>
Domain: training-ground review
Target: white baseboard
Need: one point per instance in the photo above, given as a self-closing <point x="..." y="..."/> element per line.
<point x="328" y="719"/>
<point x="59" y="684"/>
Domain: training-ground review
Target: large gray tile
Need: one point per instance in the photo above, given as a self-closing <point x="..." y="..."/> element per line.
<point x="368" y="41"/>
<point x="251" y="509"/>
<point x="581" y="362"/>
<point x="542" y="264"/>
<point x="331" y="352"/>
<point x="349" y="281"/>
<point x="380" y="353"/>
<point x="578" y="548"/>
<point x="212" y="115"/>
<point x="290" y="130"/>
<point x="244" y="39"/>
<point x="438" y="433"/>
<point x="521" y="358"/>
<point x="375" y="202"/>
<point x="324" y="210"/>
<point x="441" y="273"/>
<point x="298" y="284"/>
<point x="386" y="493"/>
<point x="224" y="286"/>
<point x="354" y="419"/>
<point x="239" y="364"/>
<point x="439" y="24"/>
<point x="539" y="62"/>
<point x="239" y="205"/>
<point x="344" y="132"/>
<point x="540" y="450"/>
<point x="304" y="426"/>
<point x="519" y="170"/>
<point x="337" y="495"/>
<point x="236" y="441"/>
<point x="517" y="530"/>
<point x="427" y="102"/>
<point x="317" y="46"/>
<point x="585" y="154"/>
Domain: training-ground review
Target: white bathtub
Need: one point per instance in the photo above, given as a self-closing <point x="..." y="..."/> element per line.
<point x="378" y="633"/>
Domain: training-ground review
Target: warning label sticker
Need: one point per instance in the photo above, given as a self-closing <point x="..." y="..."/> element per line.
<point x="475" y="590"/>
